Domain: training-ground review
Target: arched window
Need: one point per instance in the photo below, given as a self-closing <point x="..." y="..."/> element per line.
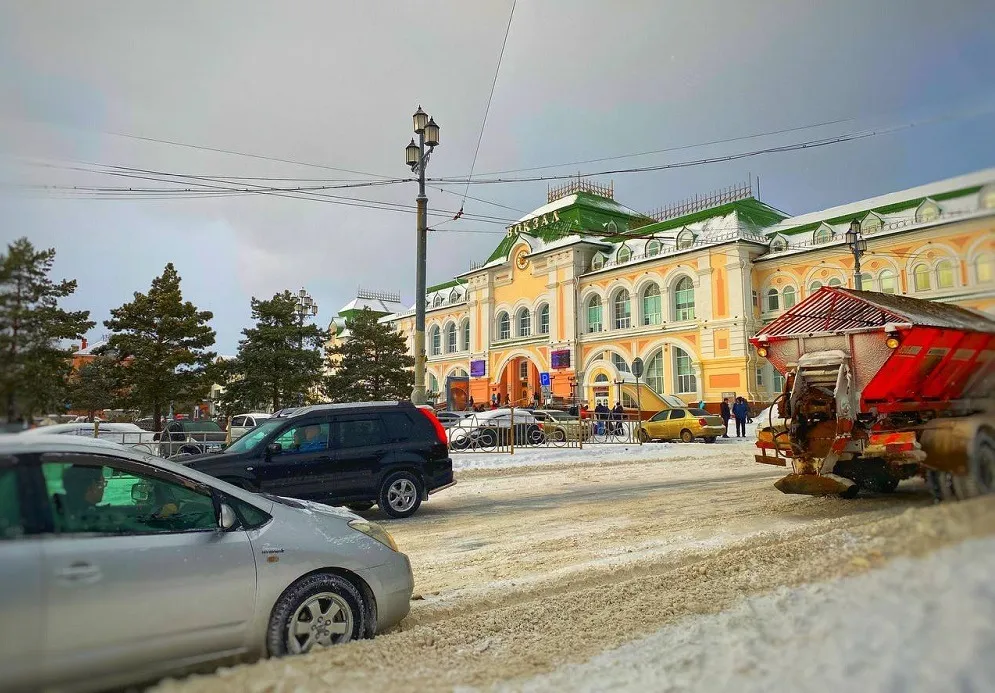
<point x="927" y="211"/>
<point x="652" y="310"/>
<point x="524" y="320"/>
<point x="654" y="373"/>
<point x="888" y="282"/>
<point x="871" y="224"/>
<point x="594" y="314"/>
<point x="684" y="379"/>
<point x="435" y="341"/>
<point x="451" y="338"/>
<point x="823" y="234"/>
<point x="920" y="277"/>
<point x="685" y="239"/>
<point x="790" y="297"/>
<point x="458" y="373"/>
<point x="814" y="286"/>
<point x="866" y="281"/>
<point x="653" y="247"/>
<point x="600" y="379"/>
<point x="623" y="255"/>
<point x="438" y="300"/>
<point x="465" y="329"/>
<point x="986" y="197"/>
<point x="779" y="244"/>
<point x="836" y="281"/>
<point x="598" y="262"/>
<point x="945" y="274"/>
<point x="684" y="299"/>
<point x="622" y="310"/>
<point x="544" y="318"/>
<point x="454" y="296"/>
<point x="773" y="300"/>
<point x="619" y="362"/>
<point x="504" y="325"/>
<point x="984" y="264"/>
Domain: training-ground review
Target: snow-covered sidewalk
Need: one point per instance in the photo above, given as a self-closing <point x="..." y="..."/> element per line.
<point x="914" y="625"/>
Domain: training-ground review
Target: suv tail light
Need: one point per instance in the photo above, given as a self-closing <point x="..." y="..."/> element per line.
<point x="440" y="431"/>
<point x="702" y="421"/>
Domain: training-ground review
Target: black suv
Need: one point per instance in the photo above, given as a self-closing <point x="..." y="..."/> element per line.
<point x="393" y="454"/>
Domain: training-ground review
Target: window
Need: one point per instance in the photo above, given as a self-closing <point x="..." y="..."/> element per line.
<point x="871" y="224"/>
<point x="823" y="234"/>
<point x="598" y="262"/>
<point x="101" y="495"/>
<point x="435" y="340"/>
<point x="984" y="265"/>
<point x="654" y="373"/>
<point x="652" y="312"/>
<point x="451" y="338"/>
<point x="790" y="297"/>
<point x="623" y="255"/>
<point x="438" y="300"/>
<point x="619" y="362"/>
<point x="986" y="198"/>
<point x="359" y="432"/>
<point x="778" y="245"/>
<point x="683" y="371"/>
<point x="888" y="282"/>
<point x="398" y="426"/>
<point x="504" y="326"/>
<point x="601" y="379"/>
<point x="11" y="526"/>
<point x="760" y="378"/>
<point x="866" y="281"/>
<point x="684" y="299"/>
<point x="622" y="310"/>
<point x="653" y="248"/>
<point x="466" y="335"/>
<point x="433" y="384"/>
<point x="523" y="370"/>
<point x="628" y="401"/>
<point x="920" y="276"/>
<point x="524" y="321"/>
<point x="678" y="414"/>
<point x="454" y="296"/>
<point x="927" y="211"/>
<point x="836" y="282"/>
<point x="594" y="314"/>
<point x="814" y="286"/>
<point x="303" y="438"/>
<point x="685" y="239"/>
<point x="945" y="274"/>
<point x="237" y="421"/>
<point x="544" y="318"/>
<point x="773" y="300"/>
<point x="660" y="415"/>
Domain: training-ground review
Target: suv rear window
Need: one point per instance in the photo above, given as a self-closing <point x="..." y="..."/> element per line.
<point x="399" y="426"/>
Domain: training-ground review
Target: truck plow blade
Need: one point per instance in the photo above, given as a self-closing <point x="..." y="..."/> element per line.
<point x="816" y="485"/>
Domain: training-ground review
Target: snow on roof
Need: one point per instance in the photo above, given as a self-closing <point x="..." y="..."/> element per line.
<point x="590" y="200"/>
<point x="375" y="304"/>
<point x="970" y="180"/>
<point x="91" y="348"/>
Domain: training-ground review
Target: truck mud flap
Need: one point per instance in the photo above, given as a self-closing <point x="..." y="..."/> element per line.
<point x="766" y="459"/>
<point x="816" y="485"/>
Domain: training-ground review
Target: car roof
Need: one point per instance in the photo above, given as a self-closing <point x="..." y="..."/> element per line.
<point x="54" y="429"/>
<point x="256" y="415"/>
<point x="318" y="408"/>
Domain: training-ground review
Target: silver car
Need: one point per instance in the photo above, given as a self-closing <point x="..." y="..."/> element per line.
<point x="117" y="567"/>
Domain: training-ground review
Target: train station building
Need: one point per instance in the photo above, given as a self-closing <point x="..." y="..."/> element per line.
<point x="583" y="285"/>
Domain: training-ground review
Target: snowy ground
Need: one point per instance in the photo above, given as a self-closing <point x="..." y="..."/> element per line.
<point x="914" y="625"/>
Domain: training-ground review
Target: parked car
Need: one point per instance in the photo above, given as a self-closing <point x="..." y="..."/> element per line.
<point x="559" y="426"/>
<point x="683" y="424"/>
<point x="189" y="437"/>
<point x="493" y="428"/>
<point x="451" y="418"/>
<point x="391" y="454"/>
<point x="92" y="534"/>
<point x="127" y="434"/>
<point x="243" y="423"/>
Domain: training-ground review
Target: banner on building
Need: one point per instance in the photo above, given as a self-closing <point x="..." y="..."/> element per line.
<point x="478" y="369"/>
<point x="560" y="359"/>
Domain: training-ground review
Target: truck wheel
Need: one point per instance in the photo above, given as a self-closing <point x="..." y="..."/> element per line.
<point x="687" y="436"/>
<point x="965" y="487"/>
<point x="400" y="494"/>
<point x="316" y="611"/>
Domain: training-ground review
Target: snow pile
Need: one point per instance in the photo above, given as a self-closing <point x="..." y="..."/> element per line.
<point x="914" y="625"/>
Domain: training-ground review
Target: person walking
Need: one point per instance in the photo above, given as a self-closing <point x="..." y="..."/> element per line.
<point x="618" y="414"/>
<point x="741" y="410"/>
<point x="726" y="413"/>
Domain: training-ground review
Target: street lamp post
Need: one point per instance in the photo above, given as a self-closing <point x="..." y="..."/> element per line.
<point x="858" y="246"/>
<point x="416" y="156"/>
<point x="305" y="308"/>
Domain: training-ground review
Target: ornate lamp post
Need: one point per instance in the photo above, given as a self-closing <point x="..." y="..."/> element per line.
<point x="858" y="246"/>
<point x="304" y="308"/>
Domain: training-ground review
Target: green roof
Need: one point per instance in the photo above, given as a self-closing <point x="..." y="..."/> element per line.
<point x="444" y="285"/>
<point x="748" y="209"/>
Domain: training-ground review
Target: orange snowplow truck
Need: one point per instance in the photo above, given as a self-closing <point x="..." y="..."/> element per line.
<point x="879" y="388"/>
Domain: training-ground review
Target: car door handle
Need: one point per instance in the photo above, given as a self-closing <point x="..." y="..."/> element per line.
<point x="79" y="573"/>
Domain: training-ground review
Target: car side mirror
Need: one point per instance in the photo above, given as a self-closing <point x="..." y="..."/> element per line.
<point x="274" y="449"/>
<point x="226" y="517"/>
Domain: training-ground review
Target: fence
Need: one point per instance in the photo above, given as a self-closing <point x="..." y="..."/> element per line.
<point x="157" y="444"/>
<point x="505" y="430"/>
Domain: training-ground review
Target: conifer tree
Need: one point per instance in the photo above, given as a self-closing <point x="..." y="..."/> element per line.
<point x="371" y="364"/>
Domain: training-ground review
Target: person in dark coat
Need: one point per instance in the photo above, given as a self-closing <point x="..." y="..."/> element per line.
<point x="618" y="414"/>
<point x="741" y="410"/>
<point x="726" y="413"/>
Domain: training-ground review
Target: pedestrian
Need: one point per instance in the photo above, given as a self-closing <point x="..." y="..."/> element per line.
<point x="536" y="399"/>
<point x="726" y="413"/>
<point x="701" y="403"/>
<point x="507" y="401"/>
<point x="618" y="414"/>
<point x="741" y="410"/>
<point x="469" y="404"/>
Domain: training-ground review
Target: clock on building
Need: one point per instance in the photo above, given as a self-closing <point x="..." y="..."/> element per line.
<point x="522" y="260"/>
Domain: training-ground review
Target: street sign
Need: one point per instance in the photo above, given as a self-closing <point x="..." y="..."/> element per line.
<point x="637" y="367"/>
<point x="544" y="379"/>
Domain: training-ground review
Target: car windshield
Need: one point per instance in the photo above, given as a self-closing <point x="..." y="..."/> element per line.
<point x="251" y="439"/>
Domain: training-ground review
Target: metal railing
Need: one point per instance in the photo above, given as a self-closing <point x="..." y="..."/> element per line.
<point x="518" y="428"/>
<point x="159" y="444"/>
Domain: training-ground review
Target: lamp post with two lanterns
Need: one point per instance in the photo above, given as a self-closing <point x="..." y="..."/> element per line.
<point x="858" y="246"/>
<point x="305" y="308"/>
<point x="416" y="156"/>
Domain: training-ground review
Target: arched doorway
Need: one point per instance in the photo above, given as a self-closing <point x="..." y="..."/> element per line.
<point x="518" y="383"/>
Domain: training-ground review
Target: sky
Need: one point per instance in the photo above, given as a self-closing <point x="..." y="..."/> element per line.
<point x="331" y="86"/>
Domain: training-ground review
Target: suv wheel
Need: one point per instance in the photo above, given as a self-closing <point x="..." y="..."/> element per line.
<point x="400" y="494"/>
<point x="316" y="611"/>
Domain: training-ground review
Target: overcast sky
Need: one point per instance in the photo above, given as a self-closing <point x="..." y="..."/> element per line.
<point x="334" y="84"/>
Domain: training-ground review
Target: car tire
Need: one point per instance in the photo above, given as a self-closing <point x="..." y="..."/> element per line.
<point x="710" y="439"/>
<point x="303" y="603"/>
<point x="687" y="436"/>
<point x="400" y="495"/>
<point x="644" y="437"/>
<point x="360" y="507"/>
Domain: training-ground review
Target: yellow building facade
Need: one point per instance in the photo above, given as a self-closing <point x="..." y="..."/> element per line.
<point x="583" y="285"/>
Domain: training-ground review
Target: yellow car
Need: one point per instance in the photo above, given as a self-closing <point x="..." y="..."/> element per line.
<point x="684" y="424"/>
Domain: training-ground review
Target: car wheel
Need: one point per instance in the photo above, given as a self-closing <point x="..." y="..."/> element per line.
<point x="644" y="437"/>
<point x="316" y="611"/>
<point x="360" y="507"/>
<point x="687" y="436"/>
<point x="710" y="439"/>
<point x="400" y="494"/>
